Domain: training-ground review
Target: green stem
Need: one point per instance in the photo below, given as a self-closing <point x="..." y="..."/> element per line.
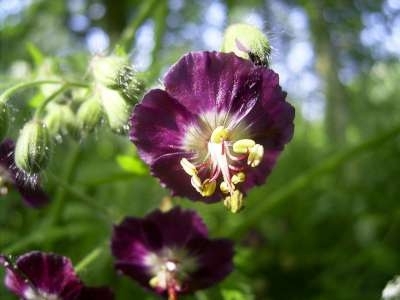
<point x="89" y="201"/>
<point x="88" y="259"/>
<point x="69" y="169"/>
<point x="5" y="96"/>
<point x="42" y="106"/>
<point x="254" y="216"/>
<point x="128" y="34"/>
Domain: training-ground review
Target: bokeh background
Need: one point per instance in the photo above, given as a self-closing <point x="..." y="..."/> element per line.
<point x="324" y="226"/>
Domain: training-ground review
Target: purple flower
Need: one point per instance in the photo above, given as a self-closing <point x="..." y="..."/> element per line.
<point x="217" y="128"/>
<point x="28" y="185"/>
<point x="42" y="276"/>
<point x="170" y="253"/>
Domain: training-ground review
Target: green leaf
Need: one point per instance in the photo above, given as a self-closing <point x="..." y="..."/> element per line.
<point x="36" y="55"/>
<point x="36" y="100"/>
<point x="131" y="164"/>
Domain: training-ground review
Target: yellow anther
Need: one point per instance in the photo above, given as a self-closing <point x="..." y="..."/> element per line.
<point x="238" y="178"/>
<point x="234" y="202"/>
<point x="3" y="191"/>
<point x="188" y="167"/>
<point x="153" y="282"/>
<point x="224" y="187"/>
<point x="196" y="183"/>
<point x="219" y="134"/>
<point x="256" y="154"/>
<point x="243" y="146"/>
<point x="208" y="188"/>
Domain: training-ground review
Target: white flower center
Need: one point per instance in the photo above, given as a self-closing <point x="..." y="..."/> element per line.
<point x="225" y="164"/>
<point x="31" y="294"/>
<point x="169" y="268"/>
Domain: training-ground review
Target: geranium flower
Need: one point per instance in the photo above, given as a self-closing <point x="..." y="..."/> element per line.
<point x="43" y="276"/>
<point x="216" y="129"/>
<point x="28" y="185"/>
<point x="170" y="253"/>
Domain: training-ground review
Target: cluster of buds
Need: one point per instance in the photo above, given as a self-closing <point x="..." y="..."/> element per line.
<point x="115" y="90"/>
<point x="118" y="88"/>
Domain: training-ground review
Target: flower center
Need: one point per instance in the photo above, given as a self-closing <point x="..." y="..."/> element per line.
<point x="31" y="294"/>
<point x="225" y="165"/>
<point x="169" y="269"/>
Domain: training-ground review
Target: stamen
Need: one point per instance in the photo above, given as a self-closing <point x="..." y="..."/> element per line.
<point x="3" y="190"/>
<point x="256" y="154"/>
<point x="219" y="135"/>
<point x="196" y="183"/>
<point x="154" y="282"/>
<point x="208" y="188"/>
<point x="224" y="187"/>
<point x="238" y="178"/>
<point x="243" y="146"/>
<point x="188" y="167"/>
<point x="225" y="164"/>
<point x="234" y="202"/>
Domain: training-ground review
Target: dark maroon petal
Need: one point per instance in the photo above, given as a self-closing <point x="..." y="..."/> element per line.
<point x="158" y="125"/>
<point x="28" y="185"/>
<point x="256" y="176"/>
<point x="204" y="81"/>
<point x="271" y="119"/>
<point x="215" y="262"/>
<point x="178" y="226"/>
<point x="47" y="273"/>
<point x="138" y="273"/>
<point x="168" y="170"/>
<point x="131" y="242"/>
<point x="271" y="125"/>
<point x="96" y="293"/>
<point x="32" y="194"/>
<point x="135" y="238"/>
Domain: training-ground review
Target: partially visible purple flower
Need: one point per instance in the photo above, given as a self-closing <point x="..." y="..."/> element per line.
<point x="28" y="185"/>
<point x="42" y="276"/>
<point x="216" y="130"/>
<point x="170" y="253"/>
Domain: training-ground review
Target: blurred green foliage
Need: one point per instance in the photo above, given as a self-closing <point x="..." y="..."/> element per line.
<point x="325" y="226"/>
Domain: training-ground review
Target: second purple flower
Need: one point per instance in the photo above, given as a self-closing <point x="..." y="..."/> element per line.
<point x="217" y="128"/>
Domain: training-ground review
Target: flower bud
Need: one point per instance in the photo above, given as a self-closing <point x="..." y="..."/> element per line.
<point x="60" y="119"/>
<point x="247" y="42"/>
<point x="116" y="109"/>
<point x="3" y="120"/>
<point x="130" y="85"/>
<point x="32" y="150"/>
<point x="89" y="115"/>
<point x="106" y="69"/>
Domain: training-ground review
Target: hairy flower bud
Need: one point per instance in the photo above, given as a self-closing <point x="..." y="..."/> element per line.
<point x="89" y="115"/>
<point x="3" y="120"/>
<point x="60" y="119"/>
<point x="116" y="73"/>
<point x="106" y="69"/>
<point x="32" y="150"/>
<point x="116" y="109"/>
<point x="247" y="42"/>
<point x="130" y="85"/>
